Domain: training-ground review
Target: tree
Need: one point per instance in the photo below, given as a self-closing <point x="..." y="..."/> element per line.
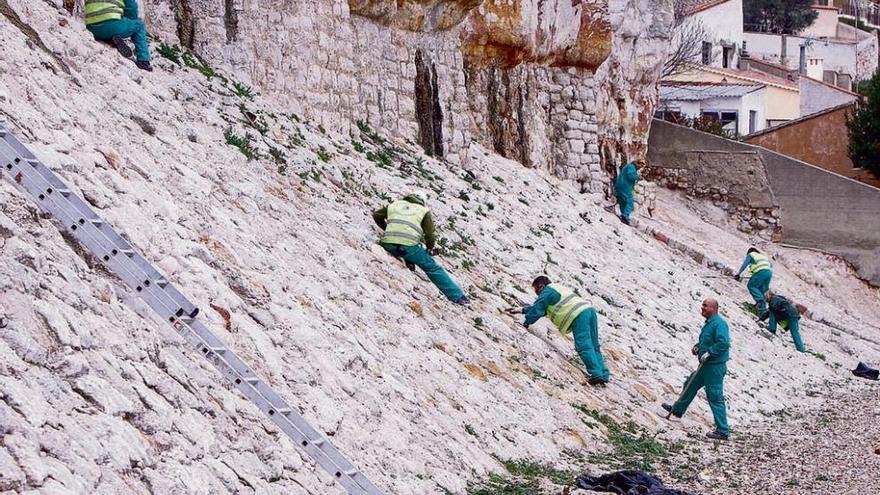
<point x="864" y="127"/>
<point x="778" y="16"/>
<point x="688" y="35"/>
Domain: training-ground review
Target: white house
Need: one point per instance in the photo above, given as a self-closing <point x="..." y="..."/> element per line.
<point x="739" y="108"/>
<point x="722" y="21"/>
<point x="828" y="50"/>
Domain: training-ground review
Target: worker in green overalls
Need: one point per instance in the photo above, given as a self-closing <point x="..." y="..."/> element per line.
<point x="713" y="352"/>
<point x="570" y="314"/>
<point x="761" y="272"/>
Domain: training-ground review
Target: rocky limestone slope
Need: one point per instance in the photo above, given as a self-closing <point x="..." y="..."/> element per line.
<point x="279" y="252"/>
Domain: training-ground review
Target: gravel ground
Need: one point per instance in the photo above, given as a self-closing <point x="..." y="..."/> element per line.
<point x="829" y="449"/>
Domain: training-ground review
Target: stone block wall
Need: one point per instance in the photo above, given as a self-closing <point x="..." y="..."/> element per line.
<point x="733" y="180"/>
<point x="529" y="79"/>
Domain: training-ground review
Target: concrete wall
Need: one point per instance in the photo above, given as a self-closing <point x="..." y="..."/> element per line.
<point x="824" y="25"/>
<point x="819" y="209"/>
<point x="819" y="140"/>
<point x="734" y="179"/>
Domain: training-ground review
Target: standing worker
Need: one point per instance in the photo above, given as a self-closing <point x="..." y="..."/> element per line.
<point x="761" y="272"/>
<point x="113" y="21"/>
<point x="713" y="351"/>
<point x="571" y="314"/>
<point x="624" y="188"/>
<point x="785" y="313"/>
<point x="407" y="222"/>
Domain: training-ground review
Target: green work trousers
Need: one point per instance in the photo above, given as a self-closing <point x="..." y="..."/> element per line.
<point x="710" y="376"/>
<point x="130" y="26"/>
<point x="626" y="203"/>
<point x="418" y="256"/>
<point x="585" y="329"/>
<point x="793" y="326"/>
<point x="758" y="285"/>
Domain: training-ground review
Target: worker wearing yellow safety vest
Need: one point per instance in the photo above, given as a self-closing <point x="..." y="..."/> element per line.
<point x="570" y="314"/>
<point x="761" y="272"/>
<point x="407" y="223"/>
<point x="114" y="21"/>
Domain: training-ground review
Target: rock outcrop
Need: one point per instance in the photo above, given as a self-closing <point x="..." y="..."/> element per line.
<point x="531" y="80"/>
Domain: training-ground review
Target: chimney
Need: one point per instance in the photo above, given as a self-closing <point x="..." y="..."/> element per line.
<point x="783" y="60"/>
<point x="802" y="63"/>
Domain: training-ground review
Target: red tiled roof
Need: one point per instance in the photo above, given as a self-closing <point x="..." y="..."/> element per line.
<point x="692" y="7"/>
<point x="754" y="76"/>
<point x="838" y="88"/>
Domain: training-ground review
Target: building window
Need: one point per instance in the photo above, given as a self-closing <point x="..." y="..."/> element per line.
<point x="728" y="120"/>
<point x="753" y="121"/>
<point x="726" y="56"/>
<point x="844" y="81"/>
<point x="707" y="53"/>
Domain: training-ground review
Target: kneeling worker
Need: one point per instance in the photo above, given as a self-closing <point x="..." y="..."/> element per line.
<point x="783" y="312"/>
<point x="571" y="314"/>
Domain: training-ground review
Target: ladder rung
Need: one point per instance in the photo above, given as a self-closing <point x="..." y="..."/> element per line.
<point x="252" y="379"/>
<point x="33" y="161"/>
<point x="218" y="350"/>
<point x="97" y="222"/>
<point x="128" y="252"/>
<point x="351" y="472"/>
<point x="187" y="320"/>
<point x="319" y="442"/>
<point x="162" y="283"/>
<point x="284" y="410"/>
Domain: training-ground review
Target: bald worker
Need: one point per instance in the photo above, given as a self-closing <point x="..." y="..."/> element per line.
<point x="713" y="351"/>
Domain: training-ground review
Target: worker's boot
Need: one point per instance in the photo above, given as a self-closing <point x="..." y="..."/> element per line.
<point x="121" y="46"/>
<point x="463" y="300"/>
<point x="144" y="65"/>
<point x="668" y="408"/>
<point x="716" y="435"/>
<point x="597" y="382"/>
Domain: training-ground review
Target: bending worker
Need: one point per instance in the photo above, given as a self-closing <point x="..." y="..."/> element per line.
<point x="783" y="312"/>
<point x="113" y="21"/>
<point x="761" y="272"/>
<point x="571" y="314"/>
<point x="407" y="222"/>
<point x="713" y="351"/>
<point x="624" y="188"/>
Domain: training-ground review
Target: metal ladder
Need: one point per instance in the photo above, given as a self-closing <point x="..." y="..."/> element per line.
<point x="20" y="167"/>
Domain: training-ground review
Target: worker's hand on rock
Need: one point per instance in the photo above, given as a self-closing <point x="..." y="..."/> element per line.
<point x="764" y="316"/>
<point x="515" y="310"/>
<point x="737" y="277"/>
<point x="695" y="350"/>
<point x="434" y="251"/>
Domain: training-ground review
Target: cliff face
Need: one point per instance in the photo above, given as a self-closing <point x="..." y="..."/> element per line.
<point x="533" y="80"/>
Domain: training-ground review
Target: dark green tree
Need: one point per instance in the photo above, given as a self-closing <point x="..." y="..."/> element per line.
<point x="864" y="127"/>
<point x="778" y="16"/>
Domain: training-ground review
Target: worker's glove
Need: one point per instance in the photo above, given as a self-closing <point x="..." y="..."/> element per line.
<point x="434" y="251"/>
<point x="695" y="350"/>
<point x="409" y="265"/>
<point x="764" y="316"/>
<point x="515" y="310"/>
<point x="737" y="277"/>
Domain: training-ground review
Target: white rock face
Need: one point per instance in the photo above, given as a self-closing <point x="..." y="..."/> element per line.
<point x="279" y="252"/>
<point x="531" y="80"/>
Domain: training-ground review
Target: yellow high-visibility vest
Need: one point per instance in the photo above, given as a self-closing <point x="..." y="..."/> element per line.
<point x="759" y="263"/>
<point x="570" y="305"/>
<point x="404" y="222"/>
<point x="103" y="10"/>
